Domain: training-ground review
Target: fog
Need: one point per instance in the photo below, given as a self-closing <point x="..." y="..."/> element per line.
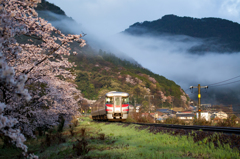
<point x="108" y="17"/>
<point x="169" y="56"/>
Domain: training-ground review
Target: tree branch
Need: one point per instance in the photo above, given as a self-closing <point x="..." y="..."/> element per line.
<point x="41" y="60"/>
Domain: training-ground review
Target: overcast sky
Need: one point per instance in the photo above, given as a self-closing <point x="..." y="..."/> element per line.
<point x="108" y="17"/>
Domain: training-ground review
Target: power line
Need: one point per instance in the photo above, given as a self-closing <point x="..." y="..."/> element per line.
<point x="226" y="83"/>
<point x="224" y="80"/>
<point x="186" y="89"/>
<point x="219" y="83"/>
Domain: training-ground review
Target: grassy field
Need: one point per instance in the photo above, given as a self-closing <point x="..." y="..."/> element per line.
<point x="115" y="140"/>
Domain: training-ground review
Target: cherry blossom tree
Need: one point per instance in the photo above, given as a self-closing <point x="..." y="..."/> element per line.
<point x="35" y="77"/>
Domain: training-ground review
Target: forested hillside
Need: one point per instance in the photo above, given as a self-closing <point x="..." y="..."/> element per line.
<point x="220" y="35"/>
<point x="99" y="72"/>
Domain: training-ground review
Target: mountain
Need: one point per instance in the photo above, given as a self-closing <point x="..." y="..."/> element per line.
<point x="46" y="6"/>
<point x="99" y="72"/>
<point x="220" y="35"/>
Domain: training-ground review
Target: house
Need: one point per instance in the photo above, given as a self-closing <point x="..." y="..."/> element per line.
<point x="205" y="115"/>
<point x="162" y="118"/>
<point x="158" y="114"/>
<point x="185" y="116"/>
<point x="166" y="111"/>
<point x="221" y="115"/>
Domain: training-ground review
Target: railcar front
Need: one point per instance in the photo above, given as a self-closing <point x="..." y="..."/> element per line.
<point x="117" y="106"/>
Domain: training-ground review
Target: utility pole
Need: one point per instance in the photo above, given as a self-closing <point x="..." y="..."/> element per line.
<point x="199" y="97"/>
<point x="149" y="101"/>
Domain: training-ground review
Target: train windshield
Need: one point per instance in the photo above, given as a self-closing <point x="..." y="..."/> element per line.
<point x="125" y="100"/>
<point x="109" y="100"/>
<point x="117" y="101"/>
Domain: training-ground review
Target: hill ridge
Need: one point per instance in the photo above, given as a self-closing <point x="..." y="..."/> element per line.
<point x="221" y="32"/>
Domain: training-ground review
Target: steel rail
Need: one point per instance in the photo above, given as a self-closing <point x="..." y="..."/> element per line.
<point x="228" y="130"/>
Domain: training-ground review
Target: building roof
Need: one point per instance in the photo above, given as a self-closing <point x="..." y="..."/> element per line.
<point x="166" y="111"/>
<point x="185" y="115"/>
<point x="186" y="112"/>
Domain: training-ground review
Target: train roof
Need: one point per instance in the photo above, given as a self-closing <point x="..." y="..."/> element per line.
<point x="115" y="93"/>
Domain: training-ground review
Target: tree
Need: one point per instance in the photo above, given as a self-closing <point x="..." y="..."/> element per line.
<point x="41" y="68"/>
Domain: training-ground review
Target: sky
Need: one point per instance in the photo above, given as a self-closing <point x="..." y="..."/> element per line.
<point x="109" y="17"/>
<point x="103" y="20"/>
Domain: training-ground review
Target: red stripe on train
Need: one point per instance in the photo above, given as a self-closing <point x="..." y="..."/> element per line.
<point x="118" y="106"/>
<point x="125" y="109"/>
<point x="109" y="105"/>
<point x="108" y="109"/>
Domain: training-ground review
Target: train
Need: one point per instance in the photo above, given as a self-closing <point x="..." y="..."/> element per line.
<point x="113" y="106"/>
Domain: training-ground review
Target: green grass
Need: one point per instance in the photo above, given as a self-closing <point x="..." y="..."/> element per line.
<point x="147" y="145"/>
<point x="126" y="142"/>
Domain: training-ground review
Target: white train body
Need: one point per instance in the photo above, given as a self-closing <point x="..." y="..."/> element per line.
<point x="114" y="106"/>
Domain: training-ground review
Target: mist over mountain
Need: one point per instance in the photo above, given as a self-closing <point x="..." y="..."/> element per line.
<point x="101" y="67"/>
<point x="57" y="17"/>
<point x="217" y="35"/>
<point x="176" y="50"/>
<point x="191" y="51"/>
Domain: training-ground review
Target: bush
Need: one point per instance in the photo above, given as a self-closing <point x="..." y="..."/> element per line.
<point x="229" y="122"/>
<point x="136" y="117"/>
<point x="132" y="117"/>
<point x="81" y="147"/>
<point x="174" y="121"/>
<point x="202" y="121"/>
<point x="74" y="121"/>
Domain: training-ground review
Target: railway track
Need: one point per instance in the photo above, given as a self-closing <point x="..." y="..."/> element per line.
<point x="225" y="130"/>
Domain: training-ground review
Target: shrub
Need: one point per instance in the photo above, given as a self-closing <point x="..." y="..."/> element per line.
<point x="102" y="136"/>
<point x="60" y="138"/>
<point x="202" y="121"/>
<point x="229" y="122"/>
<point x="175" y="121"/>
<point x="136" y="117"/>
<point x="132" y="117"/>
<point x="74" y="121"/>
<point x="83" y="130"/>
<point x="81" y="147"/>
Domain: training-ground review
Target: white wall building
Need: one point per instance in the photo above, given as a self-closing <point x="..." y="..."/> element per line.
<point x="221" y="115"/>
<point x="204" y="115"/>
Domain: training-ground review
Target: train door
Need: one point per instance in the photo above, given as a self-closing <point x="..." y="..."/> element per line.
<point x="117" y="108"/>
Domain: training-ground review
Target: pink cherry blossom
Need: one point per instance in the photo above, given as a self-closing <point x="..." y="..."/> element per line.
<point x="35" y="84"/>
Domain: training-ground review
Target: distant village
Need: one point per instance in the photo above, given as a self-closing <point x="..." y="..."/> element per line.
<point x="211" y="113"/>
